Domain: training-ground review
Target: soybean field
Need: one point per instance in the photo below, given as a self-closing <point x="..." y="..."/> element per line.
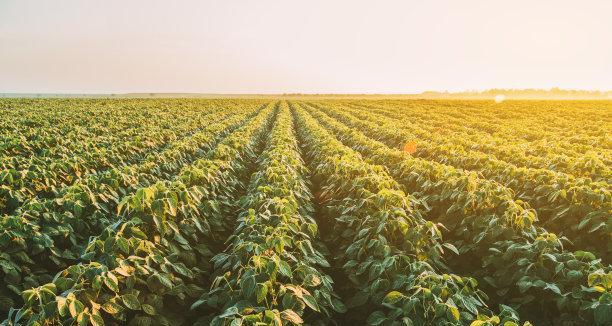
<point x="274" y="211"/>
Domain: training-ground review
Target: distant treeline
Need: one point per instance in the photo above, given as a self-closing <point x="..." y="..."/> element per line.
<point x="553" y="93"/>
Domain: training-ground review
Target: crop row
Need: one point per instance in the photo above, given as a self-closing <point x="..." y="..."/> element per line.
<point x="387" y="250"/>
<point x="496" y="236"/>
<point x="560" y="122"/>
<point x="250" y="212"/>
<point x="44" y="236"/>
<point x="23" y="178"/>
<point x="271" y="272"/>
<point x="536" y="154"/>
<point x="577" y="207"/>
<point x="146" y="267"/>
<point x="57" y="128"/>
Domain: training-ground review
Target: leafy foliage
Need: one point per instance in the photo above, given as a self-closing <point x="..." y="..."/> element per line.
<point x="258" y="212"/>
<point x="488" y="225"/>
<point x="272" y="272"/>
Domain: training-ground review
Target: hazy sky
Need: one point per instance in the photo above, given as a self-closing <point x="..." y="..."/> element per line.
<point x="328" y="46"/>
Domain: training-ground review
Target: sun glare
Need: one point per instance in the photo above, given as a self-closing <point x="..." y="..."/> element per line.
<point x="500" y="98"/>
<point x="410" y="147"/>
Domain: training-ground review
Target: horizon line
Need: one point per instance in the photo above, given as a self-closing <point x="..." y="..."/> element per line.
<point x="469" y="91"/>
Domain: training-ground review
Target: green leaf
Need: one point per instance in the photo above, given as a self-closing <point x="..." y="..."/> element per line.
<point x="122" y="203"/>
<point x="231" y="311"/>
<point x="603" y="314"/>
<point x="248" y="286"/>
<point x="75" y="307"/>
<point x="451" y="247"/>
<point x="454" y="311"/>
<point x="148" y="309"/>
<point x="111" y="282"/>
<point x="583" y="223"/>
<point x="393" y="297"/>
<point x="312" y="280"/>
<point x="49" y="288"/>
<point x="28" y="295"/>
<point x="359" y="299"/>
<point x="96" y="284"/>
<point x="83" y="319"/>
<point x="310" y="301"/>
<point x="524" y="286"/>
<point x="159" y="223"/>
<point x="96" y="320"/>
<point x="338" y="306"/>
<point x="261" y="291"/>
<point x="407" y="321"/>
<point x="285" y="269"/>
<point x="62" y="306"/>
<point x="111" y="307"/>
<point x="172" y="203"/>
<point x="552" y="287"/>
<point x="123" y="245"/>
<point x="131" y="301"/>
<point x="155" y="280"/>
<point x="376" y="318"/>
<point x="291" y="316"/>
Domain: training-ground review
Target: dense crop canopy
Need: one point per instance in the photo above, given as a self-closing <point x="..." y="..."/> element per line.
<point x="318" y="212"/>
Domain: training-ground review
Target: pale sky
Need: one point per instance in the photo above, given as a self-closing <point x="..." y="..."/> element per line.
<point x="276" y="46"/>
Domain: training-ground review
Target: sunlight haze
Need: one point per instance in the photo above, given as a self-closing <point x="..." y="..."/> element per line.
<point x="308" y="46"/>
